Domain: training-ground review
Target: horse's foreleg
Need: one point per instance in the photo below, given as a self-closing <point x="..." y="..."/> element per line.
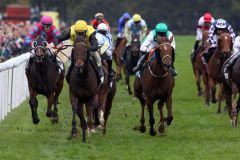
<point x="108" y="107"/>
<point x="198" y="82"/>
<point x="102" y="106"/>
<point x="90" y="127"/>
<point x="82" y="121"/>
<point x="127" y="82"/>
<point x="50" y="98"/>
<point x="74" y="102"/>
<point x="212" y="87"/>
<point x="34" y="104"/>
<point x="220" y="97"/>
<point x="161" y="128"/>
<point x="152" y="131"/>
<point x="207" y="89"/>
<point x="169" y="110"/>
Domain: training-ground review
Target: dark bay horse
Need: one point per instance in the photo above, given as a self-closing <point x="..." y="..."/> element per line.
<point x="43" y="78"/>
<point x="200" y="70"/>
<point x="117" y="53"/>
<point x="131" y="60"/>
<point x="83" y="88"/>
<point x="215" y="64"/>
<point x="229" y="89"/>
<point x="156" y="84"/>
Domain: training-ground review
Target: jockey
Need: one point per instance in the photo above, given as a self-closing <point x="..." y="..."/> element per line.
<point x="81" y="28"/>
<point x="99" y="18"/>
<point x="150" y="42"/>
<point x="48" y="31"/>
<point x="204" y="23"/>
<point x="136" y="25"/>
<point x="217" y="28"/>
<point x="231" y="60"/>
<point x="121" y="24"/>
<point x="104" y="39"/>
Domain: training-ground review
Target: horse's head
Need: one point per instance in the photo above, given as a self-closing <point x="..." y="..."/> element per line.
<point x="165" y="51"/>
<point x="205" y="38"/>
<point x="40" y="48"/>
<point x="135" y="45"/>
<point x="80" y="53"/>
<point x="225" y="44"/>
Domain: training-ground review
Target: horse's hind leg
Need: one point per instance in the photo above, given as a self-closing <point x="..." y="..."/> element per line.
<point x="50" y="98"/>
<point x="90" y="127"/>
<point x="169" y="110"/>
<point x="82" y="122"/>
<point x="198" y="82"/>
<point x="220" y="97"/>
<point x="127" y="82"/>
<point x="34" y="104"/>
<point x="161" y="128"/>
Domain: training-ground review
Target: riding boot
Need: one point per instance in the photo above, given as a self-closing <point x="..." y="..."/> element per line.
<point x="124" y="54"/>
<point x="29" y="64"/>
<point x="207" y="55"/>
<point x="70" y="69"/>
<point x="141" y="61"/>
<point x="173" y="70"/>
<point x="110" y="73"/>
<point x="100" y="74"/>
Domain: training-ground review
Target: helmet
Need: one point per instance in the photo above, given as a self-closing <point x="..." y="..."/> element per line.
<point x="99" y="14"/>
<point x="47" y="20"/>
<point x="221" y="23"/>
<point x="207" y="17"/>
<point x="161" y="27"/>
<point x="80" y="26"/>
<point x="126" y="15"/>
<point x="102" y="27"/>
<point x="136" y="18"/>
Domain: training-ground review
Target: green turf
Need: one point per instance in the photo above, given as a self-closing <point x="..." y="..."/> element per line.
<point x="197" y="132"/>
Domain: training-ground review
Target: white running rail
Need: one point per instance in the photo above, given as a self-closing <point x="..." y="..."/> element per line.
<point x="13" y="84"/>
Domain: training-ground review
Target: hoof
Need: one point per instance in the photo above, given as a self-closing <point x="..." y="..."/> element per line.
<point x="200" y="93"/>
<point x="142" y="129"/>
<point x="161" y="128"/>
<point x="219" y="111"/>
<point x="168" y="120"/>
<point x="74" y="132"/>
<point x="207" y="103"/>
<point x="36" y="120"/>
<point x="214" y="101"/>
<point x="49" y="114"/>
<point x="152" y="132"/>
<point x="55" y="120"/>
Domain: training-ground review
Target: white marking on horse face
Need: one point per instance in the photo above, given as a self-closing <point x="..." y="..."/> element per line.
<point x="225" y="37"/>
<point x="165" y="47"/>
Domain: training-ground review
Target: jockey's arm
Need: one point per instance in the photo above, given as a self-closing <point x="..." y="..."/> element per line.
<point x="143" y="33"/>
<point x="236" y="45"/>
<point x="30" y="36"/>
<point x="146" y="44"/>
<point x="93" y="43"/>
<point x="127" y="32"/>
<point x="62" y="37"/>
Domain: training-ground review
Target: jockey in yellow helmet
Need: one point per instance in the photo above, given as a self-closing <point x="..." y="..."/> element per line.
<point x="81" y="28"/>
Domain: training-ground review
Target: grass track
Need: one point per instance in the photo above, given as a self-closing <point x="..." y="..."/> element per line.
<point x="197" y="132"/>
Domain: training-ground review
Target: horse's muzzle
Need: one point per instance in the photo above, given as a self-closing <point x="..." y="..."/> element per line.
<point x="79" y="68"/>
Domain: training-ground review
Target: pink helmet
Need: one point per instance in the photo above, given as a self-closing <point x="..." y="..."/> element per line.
<point x="47" y="20"/>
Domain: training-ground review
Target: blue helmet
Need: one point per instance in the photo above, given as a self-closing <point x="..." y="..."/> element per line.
<point x="126" y="15"/>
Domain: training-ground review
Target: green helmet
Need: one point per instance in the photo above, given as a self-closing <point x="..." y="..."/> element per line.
<point x="161" y="27"/>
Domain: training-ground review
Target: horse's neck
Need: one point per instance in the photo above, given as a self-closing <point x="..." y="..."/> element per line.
<point x="156" y="67"/>
<point x="43" y="67"/>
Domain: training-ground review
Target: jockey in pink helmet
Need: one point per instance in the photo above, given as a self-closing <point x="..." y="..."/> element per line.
<point x="48" y="31"/>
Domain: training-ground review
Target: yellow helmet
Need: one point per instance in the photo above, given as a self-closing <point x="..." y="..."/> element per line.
<point x="81" y="26"/>
<point x="136" y="18"/>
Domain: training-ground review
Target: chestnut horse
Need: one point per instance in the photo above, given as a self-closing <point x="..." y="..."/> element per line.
<point x="156" y="84"/>
<point x="229" y="89"/>
<point x="220" y="55"/>
<point x="117" y="53"/>
<point x="83" y="88"/>
<point x="200" y="69"/>
<point x="43" y="78"/>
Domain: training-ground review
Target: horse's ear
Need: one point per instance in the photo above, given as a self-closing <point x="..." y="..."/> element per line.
<point x="171" y="39"/>
<point x="34" y="44"/>
<point x="44" y="43"/>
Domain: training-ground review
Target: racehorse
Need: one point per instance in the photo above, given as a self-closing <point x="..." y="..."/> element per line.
<point x="229" y="89"/>
<point x="200" y="69"/>
<point x="222" y="52"/>
<point x="106" y="95"/>
<point x="131" y="60"/>
<point x="83" y="87"/>
<point x="44" y="78"/>
<point x="117" y="53"/>
<point x="156" y="84"/>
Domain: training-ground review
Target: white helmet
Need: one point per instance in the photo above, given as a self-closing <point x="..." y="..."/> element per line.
<point x="221" y="23"/>
<point x="102" y="27"/>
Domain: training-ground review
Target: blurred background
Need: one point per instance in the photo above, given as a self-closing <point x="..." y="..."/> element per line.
<point x="17" y="16"/>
